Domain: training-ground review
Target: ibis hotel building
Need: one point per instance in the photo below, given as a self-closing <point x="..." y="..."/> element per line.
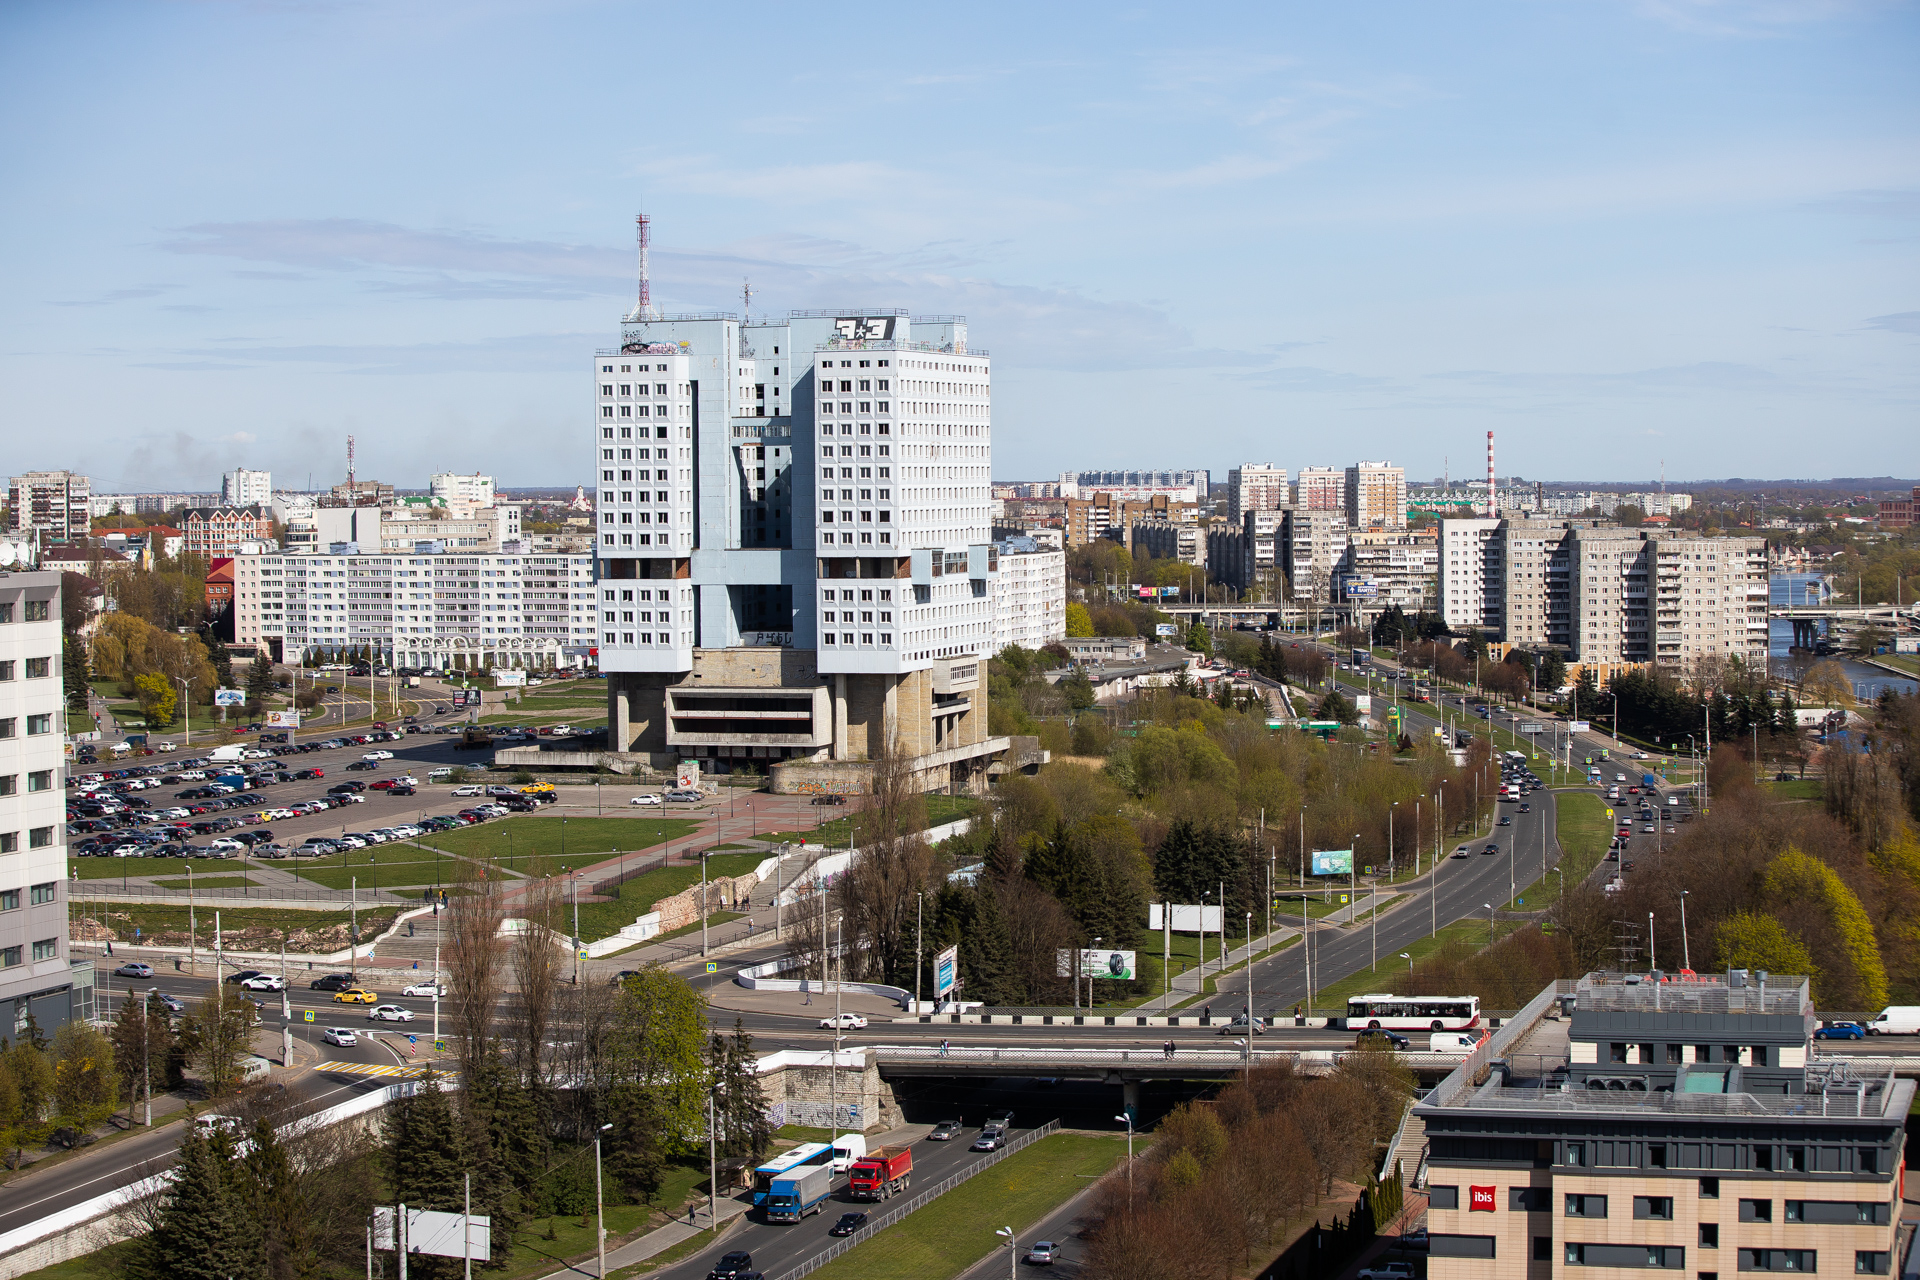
<point x="794" y="543"/>
<point x="1665" y="1125"/>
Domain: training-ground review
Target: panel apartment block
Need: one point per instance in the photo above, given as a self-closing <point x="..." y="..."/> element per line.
<point x="35" y="977"/>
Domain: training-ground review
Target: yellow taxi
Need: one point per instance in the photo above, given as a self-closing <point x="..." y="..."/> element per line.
<point x="536" y="788"/>
<point x="356" y="995"/>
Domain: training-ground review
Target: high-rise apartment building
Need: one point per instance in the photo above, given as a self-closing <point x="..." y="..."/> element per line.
<point x="1472" y="582"/>
<point x="459" y="490"/>
<point x="1307" y="547"/>
<point x="35" y="977"/>
<point x="1255" y="486"/>
<point x="1380" y="569"/>
<point x="1321" y="489"/>
<point x="1136" y="486"/>
<point x="243" y="488"/>
<point x="794" y="544"/>
<point x="225" y="531"/>
<point x="1030" y="595"/>
<point x="1682" y="1126"/>
<point x="56" y="504"/>
<point x="1376" y="496"/>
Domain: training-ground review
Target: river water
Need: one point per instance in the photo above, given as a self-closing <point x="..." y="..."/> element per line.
<point x="1788" y="589"/>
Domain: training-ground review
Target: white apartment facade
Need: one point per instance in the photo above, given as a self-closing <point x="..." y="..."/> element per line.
<point x="243" y="488"/>
<point x="34" y="973"/>
<point x="470" y="492"/>
<point x="1380" y="570"/>
<point x="1030" y="595"/>
<point x="1255" y="486"/>
<point x="1471" y="580"/>
<point x="418" y="609"/>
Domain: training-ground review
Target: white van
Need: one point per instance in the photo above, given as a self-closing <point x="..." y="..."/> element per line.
<point x="441" y="774"/>
<point x="1896" y="1020"/>
<point x="1451" y="1042"/>
<point x="847" y="1148"/>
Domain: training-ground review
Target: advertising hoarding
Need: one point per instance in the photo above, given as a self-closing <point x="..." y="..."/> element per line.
<point x="946" y="967"/>
<point x="1578" y="726"/>
<point x="1095" y="962"/>
<point x="1165" y="629"/>
<point x="283" y="719"/>
<point x="687" y="776"/>
<point x="1187" y="917"/>
<point x="1332" y="862"/>
<point x="229" y="697"/>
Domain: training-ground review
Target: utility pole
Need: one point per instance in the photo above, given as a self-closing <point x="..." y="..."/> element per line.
<point x="919" y="905"/>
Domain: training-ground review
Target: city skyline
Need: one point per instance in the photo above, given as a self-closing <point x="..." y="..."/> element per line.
<point x="1615" y="236"/>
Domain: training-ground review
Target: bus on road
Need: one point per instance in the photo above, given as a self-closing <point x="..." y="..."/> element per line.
<point x="807" y="1153"/>
<point x="1413" y="1013"/>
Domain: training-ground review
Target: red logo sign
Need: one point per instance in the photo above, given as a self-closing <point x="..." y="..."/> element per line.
<point x="1480" y="1199"/>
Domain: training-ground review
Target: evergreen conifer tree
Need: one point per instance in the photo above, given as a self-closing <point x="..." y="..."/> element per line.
<point x="986" y="953"/>
<point x="632" y="1150"/>
<point x="426" y="1152"/>
<point x="204" y="1231"/>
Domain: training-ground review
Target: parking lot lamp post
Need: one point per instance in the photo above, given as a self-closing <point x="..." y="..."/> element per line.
<point x="1408" y="957"/>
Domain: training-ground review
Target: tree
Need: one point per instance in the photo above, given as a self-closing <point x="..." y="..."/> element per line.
<point x="1334" y="706"/>
<point x="743" y="1131"/>
<point x="1755" y="940"/>
<point x="142" y="1038"/>
<point x="85" y="1081"/>
<point x="660" y="1045"/>
<point x="75" y="675"/>
<point x="1077" y="690"/>
<point x="217" y="654"/>
<point x="217" y="1034"/>
<point x="259" y="680"/>
<point x="1199" y="639"/>
<point x="633" y="1158"/>
<point x="1079" y="621"/>
<point x="202" y="1230"/>
<point x="157" y="699"/>
<point x="970" y="916"/>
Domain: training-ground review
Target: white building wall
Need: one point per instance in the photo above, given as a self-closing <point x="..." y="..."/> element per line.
<point x="1030" y="600"/>
<point x="33" y="846"/>
<point x="243" y="488"/>
<point x="1464" y="566"/>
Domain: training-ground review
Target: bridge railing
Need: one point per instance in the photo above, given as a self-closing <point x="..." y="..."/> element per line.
<point x="1069" y="1059"/>
<point x="881" y="1218"/>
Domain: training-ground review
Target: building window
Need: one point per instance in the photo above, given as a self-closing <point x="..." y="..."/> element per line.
<point x="1660" y="1257"/>
<point x="1586" y="1206"/>
<point x="1543" y="1248"/>
<point x="39" y="668"/>
<point x="35" y="611"/>
<point x="1440" y="1246"/>
<point x="40" y="780"/>
<point x="9" y="957"/>
<point x="1709" y="1188"/>
<point x="45" y="893"/>
<point x="42" y="723"/>
<point x="9" y="899"/>
<point x="1796" y="1156"/>
<point x="1779" y="1260"/>
<point x="1576" y="1154"/>
<point x="1869" y="1160"/>
<point x="1617" y="1052"/>
<point x="1756" y="1211"/>
<point x="46" y="949"/>
<point x="1709" y="1235"/>
<point x="1871" y="1262"/>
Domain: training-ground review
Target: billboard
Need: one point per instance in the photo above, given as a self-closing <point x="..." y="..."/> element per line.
<point x="945" y="970"/>
<point x="1530" y="726"/>
<point x="1363" y="703"/>
<point x="687" y="776"/>
<point x="1187" y="917"/>
<point x="1578" y="726"/>
<point x="1333" y="862"/>
<point x="1096" y="962"/>
<point x="509" y="679"/>
<point x="1165" y="629"/>
<point x="283" y="719"/>
<point x="229" y="697"/>
<point x="446" y="1235"/>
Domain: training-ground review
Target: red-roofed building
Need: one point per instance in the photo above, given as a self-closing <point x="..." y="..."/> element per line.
<point x="219" y="586"/>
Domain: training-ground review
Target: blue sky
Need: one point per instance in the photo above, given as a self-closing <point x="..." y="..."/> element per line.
<point x="1616" y="234"/>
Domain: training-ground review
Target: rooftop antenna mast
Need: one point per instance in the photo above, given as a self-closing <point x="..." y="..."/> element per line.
<point x="746" y="314"/>
<point x="644" y="309"/>
<point x="351" y="498"/>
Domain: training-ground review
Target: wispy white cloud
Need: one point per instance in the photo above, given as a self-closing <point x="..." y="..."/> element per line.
<point x="118" y="295"/>
<point x="1898" y="322"/>
<point x="1750" y="19"/>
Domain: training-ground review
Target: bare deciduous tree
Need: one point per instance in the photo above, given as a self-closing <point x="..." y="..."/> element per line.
<point x="536" y="972"/>
<point x="473" y="954"/>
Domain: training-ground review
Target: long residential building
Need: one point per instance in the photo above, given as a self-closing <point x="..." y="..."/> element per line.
<point x="57" y="505"/>
<point x="36" y="979"/>
<point x="417" y="608"/>
<point x="1030" y="595"/>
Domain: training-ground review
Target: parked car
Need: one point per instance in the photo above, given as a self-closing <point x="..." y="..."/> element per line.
<point x="424" y="989"/>
<point x="1840" y="1031"/>
<point x="1387" y="1271"/>
<point x="470" y="789"/>
<point x="648" y="798"/>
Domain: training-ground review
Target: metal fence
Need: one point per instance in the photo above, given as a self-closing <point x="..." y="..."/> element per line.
<point x="81" y="892"/>
<point x="887" y="1217"/>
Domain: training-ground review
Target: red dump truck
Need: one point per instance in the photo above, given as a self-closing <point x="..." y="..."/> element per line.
<point x="880" y="1173"/>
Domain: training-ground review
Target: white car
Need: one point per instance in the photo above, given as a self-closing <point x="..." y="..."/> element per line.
<point x="377" y="755"/>
<point x="845" y="1022"/>
<point x="649" y="798"/>
<point x="427" y="989"/>
<point x="226" y="844"/>
<point x="350" y="842"/>
<point x="389" y="1013"/>
<point x="176" y="813"/>
<point x="342" y="1036"/>
<point x="264" y="982"/>
<point x="470" y="790"/>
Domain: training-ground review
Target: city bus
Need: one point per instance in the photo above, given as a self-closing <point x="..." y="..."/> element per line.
<point x="1413" y="1013"/>
<point x="807" y="1153"/>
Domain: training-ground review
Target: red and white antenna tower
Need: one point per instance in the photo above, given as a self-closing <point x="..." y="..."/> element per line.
<point x="1493" y="501"/>
<point x="643" y="233"/>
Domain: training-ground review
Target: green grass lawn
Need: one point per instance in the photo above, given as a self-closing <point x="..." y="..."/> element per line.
<point x="388" y="866"/>
<point x="1581" y="827"/>
<point x="834" y="832"/>
<point x="1798" y="789"/>
<point x="535" y="843"/>
<point x="245" y="928"/>
<point x="956" y="1230"/>
<point x="1392" y="970"/>
<point x="637" y="896"/>
<point x="119" y="868"/>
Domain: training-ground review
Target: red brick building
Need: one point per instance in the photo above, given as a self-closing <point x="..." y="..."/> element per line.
<point x="1897" y="513"/>
<point x="219" y="531"/>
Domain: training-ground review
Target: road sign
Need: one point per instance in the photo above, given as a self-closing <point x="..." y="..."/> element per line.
<point x="583" y="953"/>
<point x="309" y="1015"/>
<point x="412" y="1039"/>
<point x="713" y="966"/>
<point x="945" y="965"/>
<point x="439" y="1046"/>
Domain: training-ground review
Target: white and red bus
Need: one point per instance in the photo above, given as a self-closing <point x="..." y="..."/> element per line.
<point x="1413" y="1013"/>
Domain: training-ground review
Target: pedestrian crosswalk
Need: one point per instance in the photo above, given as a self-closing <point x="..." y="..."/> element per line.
<point x="403" y="1070"/>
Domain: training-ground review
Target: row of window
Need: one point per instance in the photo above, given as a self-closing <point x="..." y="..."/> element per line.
<point x="45" y="949"/>
<point x="36" y="668"/>
<point x="1675" y="1054"/>
<point x="845" y="638"/>
<point x="1660" y="1208"/>
<point x="866" y="539"/>
<point x="42" y="723"/>
<point x="39" y="895"/>
<point x="1762" y="1157"/>
<point x="37" y="838"/>
<point x="1657" y="1257"/>
<point x="30" y="611"/>
<point x="37" y="780"/>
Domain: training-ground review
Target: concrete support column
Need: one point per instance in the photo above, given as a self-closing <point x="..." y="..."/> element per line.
<point x="840" y="717"/>
<point x="1130" y="1096"/>
<point x="890" y="716"/>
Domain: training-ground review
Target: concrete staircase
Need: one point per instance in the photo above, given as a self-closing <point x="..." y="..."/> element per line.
<point x="401" y="950"/>
<point x="1408" y="1149"/>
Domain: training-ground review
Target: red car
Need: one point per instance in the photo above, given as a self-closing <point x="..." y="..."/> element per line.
<point x="385" y="784"/>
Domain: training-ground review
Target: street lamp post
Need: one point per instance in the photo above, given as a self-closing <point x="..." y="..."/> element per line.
<point x="1408" y="957"/>
<point x="599" y="1204"/>
<point x="1686" y="956"/>
<point x="1013" y="1252"/>
<point x="1489" y="907"/>
<point x="1127" y="1120"/>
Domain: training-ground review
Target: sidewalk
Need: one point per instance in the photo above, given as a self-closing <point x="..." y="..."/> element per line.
<point x="661" y="1239"/>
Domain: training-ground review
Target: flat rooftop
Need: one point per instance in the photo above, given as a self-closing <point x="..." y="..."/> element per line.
<point x="1739" y="992"/>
